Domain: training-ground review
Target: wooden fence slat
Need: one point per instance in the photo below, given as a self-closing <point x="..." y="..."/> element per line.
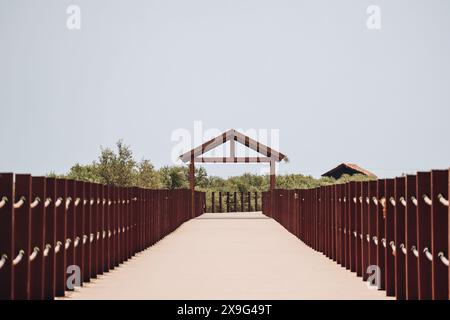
<point x="412" y="276"/>
<point x="439" y="234"/>
<point x="61" y="236"/>
<point x="50" y="239"/>
<point x="37" y="223"/>
<point x="400" y="238"/>
<point x="389" y="237"/>
<point x="423" y="185"/>
<point x="7" y="236"/>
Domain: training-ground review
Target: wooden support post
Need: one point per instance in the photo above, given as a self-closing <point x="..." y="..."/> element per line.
<point x="272" y="175"/>
<point x="192" y="184"/>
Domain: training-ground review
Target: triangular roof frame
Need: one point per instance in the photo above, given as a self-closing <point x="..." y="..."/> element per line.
<point x="233" y="135"/>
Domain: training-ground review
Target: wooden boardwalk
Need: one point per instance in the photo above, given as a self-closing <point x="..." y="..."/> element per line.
<point x="228" y="256"/>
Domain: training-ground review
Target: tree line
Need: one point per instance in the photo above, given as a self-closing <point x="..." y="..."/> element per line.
<point x="118" y="167"/>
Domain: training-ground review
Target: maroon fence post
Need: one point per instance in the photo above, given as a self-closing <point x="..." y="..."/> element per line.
<point x="235" y="201"/>
<point x="400" y="238"/>
<point x="412" y="276"/>
<point x="101" y="229"/>
<point x="213" y="202"/>
<point x="6" y="236"/>
<point x="389" y="206"/>
<point x="343" y="225"/>
<point x="106" y="229"/>
<point x="87" y="265"/>
<point x="357" y="230"/>
<point x="256" y="201"/>
<point x="353" y="203"/>
<point x="381" y="215"/>
<point x="365" y="229"/>
<point x="332" y="222"/>
<point x="37" y="223"/>
<point x="439" y="234"/>
<point x="79" y="226"/>
<point x="70" y="232"/>
<point x="424" y="234"/>
<point x="61" y="236"/>
<point x="50" y="239"/>
<point x="373" y="224"/>
<point x="22" y="233"/>
<point x="94" y="229"/>
<point x="337" y="195"/>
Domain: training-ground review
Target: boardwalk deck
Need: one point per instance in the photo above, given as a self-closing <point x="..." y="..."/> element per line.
<point x="228" y="256"/>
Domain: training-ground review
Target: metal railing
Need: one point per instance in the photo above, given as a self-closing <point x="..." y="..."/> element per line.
<point x="48" y="224"/>
<point x="400" y="225"/>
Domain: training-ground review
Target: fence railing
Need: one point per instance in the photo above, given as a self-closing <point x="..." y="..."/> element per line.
<point x="233" y="201"/>
<point x="50" y="228"/>
<point x="399" y="225"/>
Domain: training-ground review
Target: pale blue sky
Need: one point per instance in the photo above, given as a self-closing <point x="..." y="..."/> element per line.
<point x="140" y="69"/>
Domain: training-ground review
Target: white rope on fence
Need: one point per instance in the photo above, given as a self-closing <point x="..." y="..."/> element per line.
<point x="47" y="249"/>
<point x="444" y="260"/>
<point x="47" y="202"/>
<point x="427" y="200"/>
<point x="68" y="201"/>
<point x="428" y="254"/>
<point x="403" y="247"/>
<point x="403" y="201"/>
<point x="392" y="244"/>
<point x="375" y="200"/>
<point x="3" y="260"/>
<point x="392" y="201"/>
<point x="19" y="258"/>
<point x="3" y="202"/>
<point x="383" y="202"/>
<point x="67" y="244"/>
<point x="58" y="202"/>
<point x="442" y="200"/>
<point x="19" y="203"/>
<point x="36" y="201"/>
<point x="414" y="200"/>
<point x="34" y="254"/>
<point x="58" y="246"/>
<point x="414" y="250"/>
<point x="375" y="240"/>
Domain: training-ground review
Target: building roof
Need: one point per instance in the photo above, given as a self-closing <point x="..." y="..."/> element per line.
<point x="348" y="167"/>
<point x="234" y="136"/>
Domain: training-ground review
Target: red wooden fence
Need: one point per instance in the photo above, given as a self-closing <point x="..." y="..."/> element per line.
<point x="48" y="224"/>
<point x="400" y="225"/>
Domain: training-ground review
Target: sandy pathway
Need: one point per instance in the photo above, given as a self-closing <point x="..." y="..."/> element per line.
<point x="228" y="256"/>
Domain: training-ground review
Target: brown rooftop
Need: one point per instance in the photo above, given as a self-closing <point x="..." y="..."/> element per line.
<point x="347" y="168"/>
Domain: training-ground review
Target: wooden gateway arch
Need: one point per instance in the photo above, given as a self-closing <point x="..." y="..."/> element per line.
<point x="269" y="155"/>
